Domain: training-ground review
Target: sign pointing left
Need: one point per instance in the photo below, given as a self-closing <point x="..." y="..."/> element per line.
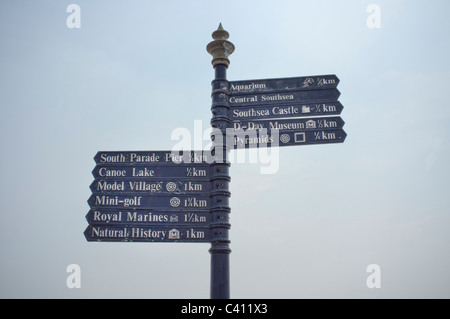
<point x="148" y="234"/>
<point x="153" y="196"/>
<point x="197" y="171"/>
<point x="154" y="157"/>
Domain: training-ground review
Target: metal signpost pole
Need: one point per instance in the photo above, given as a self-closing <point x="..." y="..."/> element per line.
<point x="220" y="250"/>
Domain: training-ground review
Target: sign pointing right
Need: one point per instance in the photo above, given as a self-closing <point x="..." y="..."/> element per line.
<point x="278" y="138"/>
<point x="291" y="124"/>
<point x="284" y="97"/>
<point x="284" y="84"/>
<point x="240" y="113"/>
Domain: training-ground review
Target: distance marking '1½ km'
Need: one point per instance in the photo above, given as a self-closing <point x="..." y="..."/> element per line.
<point x="150" y="172"/>
<point x="117" y="216"/>
<point x="158" y="202"/>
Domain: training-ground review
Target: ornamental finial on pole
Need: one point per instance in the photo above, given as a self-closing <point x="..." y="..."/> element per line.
<point x="220" y="48"/>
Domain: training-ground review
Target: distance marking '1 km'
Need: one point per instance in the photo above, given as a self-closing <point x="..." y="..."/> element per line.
<point x="153" y="234"/>
<point x="142" y="187"/>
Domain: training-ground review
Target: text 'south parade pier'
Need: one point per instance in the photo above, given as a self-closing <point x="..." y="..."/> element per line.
<point x="183" y="197"/>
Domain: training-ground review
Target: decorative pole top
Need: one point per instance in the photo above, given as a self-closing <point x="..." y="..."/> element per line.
<point x="220" y="48"/>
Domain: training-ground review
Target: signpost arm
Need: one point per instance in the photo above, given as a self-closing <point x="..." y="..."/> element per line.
<point x="220" y="250"/>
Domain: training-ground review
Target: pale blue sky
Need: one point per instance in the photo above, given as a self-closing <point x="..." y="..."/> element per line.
<point x="137" y="70"/>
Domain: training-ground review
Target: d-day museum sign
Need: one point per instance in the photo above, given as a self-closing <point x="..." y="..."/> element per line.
<point x="183" y="197"/>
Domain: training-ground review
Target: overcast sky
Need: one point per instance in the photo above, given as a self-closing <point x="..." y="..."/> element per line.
<point x="137" y="70"/>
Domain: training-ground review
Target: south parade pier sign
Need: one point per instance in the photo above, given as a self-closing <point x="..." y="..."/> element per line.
<point x="154" y="157"/>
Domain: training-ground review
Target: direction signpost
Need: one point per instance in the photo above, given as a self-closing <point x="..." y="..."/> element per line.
<point x="160" y="186"/>
<point x="178" y="197"/>
<point x="151" y="196"/>
<point x="286" y="124"/>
